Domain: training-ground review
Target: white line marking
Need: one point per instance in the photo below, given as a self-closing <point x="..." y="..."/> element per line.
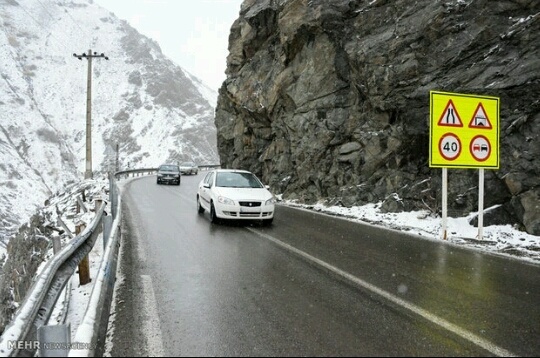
<point x="415" y="309"/>
<point x="140" y="252"/>
<point x="151" y="319"/>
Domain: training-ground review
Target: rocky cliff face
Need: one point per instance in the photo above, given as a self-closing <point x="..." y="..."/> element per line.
<point x="329" y="100"/>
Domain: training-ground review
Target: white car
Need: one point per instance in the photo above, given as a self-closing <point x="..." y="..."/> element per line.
<point x="235" y="194"/>
<point x="189" y="168"/>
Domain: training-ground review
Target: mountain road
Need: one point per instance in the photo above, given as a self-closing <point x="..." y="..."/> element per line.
<point x="311" y="284"/>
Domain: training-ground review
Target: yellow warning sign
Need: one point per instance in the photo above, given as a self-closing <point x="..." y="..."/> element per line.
<point x="464" y="131"/>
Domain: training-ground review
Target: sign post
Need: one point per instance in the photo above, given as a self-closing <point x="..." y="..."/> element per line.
<point x="480" y="203"/>
<point x="444" y="202"/>
<point x="464" y="133"/>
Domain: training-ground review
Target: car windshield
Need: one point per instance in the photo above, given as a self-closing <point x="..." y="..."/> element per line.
<point x="237" y="180"/>
<point x="187" y="164"/>
<point x="168" y="168"/>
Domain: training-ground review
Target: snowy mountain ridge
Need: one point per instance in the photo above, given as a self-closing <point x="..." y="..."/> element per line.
<point x="142" y="103"/>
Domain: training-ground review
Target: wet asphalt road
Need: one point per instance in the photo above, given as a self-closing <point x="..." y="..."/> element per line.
<point x="309" y="285"/>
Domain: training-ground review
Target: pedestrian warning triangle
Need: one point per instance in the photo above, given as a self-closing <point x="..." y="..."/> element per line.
<point x="450" y="116"/>
<point x="480" y="118"/>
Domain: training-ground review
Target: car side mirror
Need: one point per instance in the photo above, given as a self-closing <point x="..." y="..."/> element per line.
<point x="267" y="187"/>
<point x="206" y="185"/>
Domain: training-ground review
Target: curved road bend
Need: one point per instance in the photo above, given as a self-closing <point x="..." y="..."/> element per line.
<point x="309" y="285"/>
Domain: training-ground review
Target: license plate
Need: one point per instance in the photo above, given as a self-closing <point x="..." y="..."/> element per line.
<point x="250" y="210"/>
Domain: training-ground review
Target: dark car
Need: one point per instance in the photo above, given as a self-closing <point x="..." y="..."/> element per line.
<point x="169" y="174"/>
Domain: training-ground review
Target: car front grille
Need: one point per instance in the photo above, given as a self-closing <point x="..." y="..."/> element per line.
<point x="251" y="204"/>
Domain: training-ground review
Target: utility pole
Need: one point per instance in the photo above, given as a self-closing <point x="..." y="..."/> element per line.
<point x="89" y="56"/>
<point x="116" y="168"/>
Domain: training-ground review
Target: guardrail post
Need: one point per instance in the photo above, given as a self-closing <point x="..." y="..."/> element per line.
<point x="57" y="244"/>
<point x="97" y="202"/>
<point x="107" y="227"/>
<point x="113" y="199"/>
<point x="84" y="265"/>
<point x="54" y="340"/>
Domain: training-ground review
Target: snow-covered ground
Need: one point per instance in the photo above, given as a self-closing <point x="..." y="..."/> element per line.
<point x="500" y="239"/>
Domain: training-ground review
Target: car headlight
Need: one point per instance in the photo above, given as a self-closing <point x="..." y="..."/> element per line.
<point x="270" y="201"/>
<point x="224" y="200"/>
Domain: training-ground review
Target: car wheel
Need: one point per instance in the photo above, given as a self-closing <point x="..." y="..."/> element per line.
<point x="200" y="209"/>
<point x="213" y="217"/>
<point x="268" y="222"/>
<point x="158" y="181"/>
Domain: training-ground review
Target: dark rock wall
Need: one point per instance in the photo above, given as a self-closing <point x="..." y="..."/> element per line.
<point x="329" y="100"/>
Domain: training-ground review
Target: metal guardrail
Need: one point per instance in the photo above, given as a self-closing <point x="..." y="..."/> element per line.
<point x="134" y="172"/>
<point x="20" y="338"/>
<point x="137" y="172"/>
<point x="90" y="335"/>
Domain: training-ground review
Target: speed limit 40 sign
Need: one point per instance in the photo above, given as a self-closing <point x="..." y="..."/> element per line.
<point x="464" y="131"/>
<point x="450" y="146"/>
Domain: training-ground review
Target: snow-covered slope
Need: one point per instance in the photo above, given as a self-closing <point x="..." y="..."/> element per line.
<point x="142" y="103"/>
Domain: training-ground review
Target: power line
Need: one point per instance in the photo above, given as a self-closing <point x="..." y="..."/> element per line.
<point x="49" y="33"/>
<point x="72" y="19"/>
<point x="40" y="24"/>
<point x="46" y="10"/>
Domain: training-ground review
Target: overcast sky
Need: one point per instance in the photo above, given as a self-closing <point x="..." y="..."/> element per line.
<point x="192" y="33"/>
